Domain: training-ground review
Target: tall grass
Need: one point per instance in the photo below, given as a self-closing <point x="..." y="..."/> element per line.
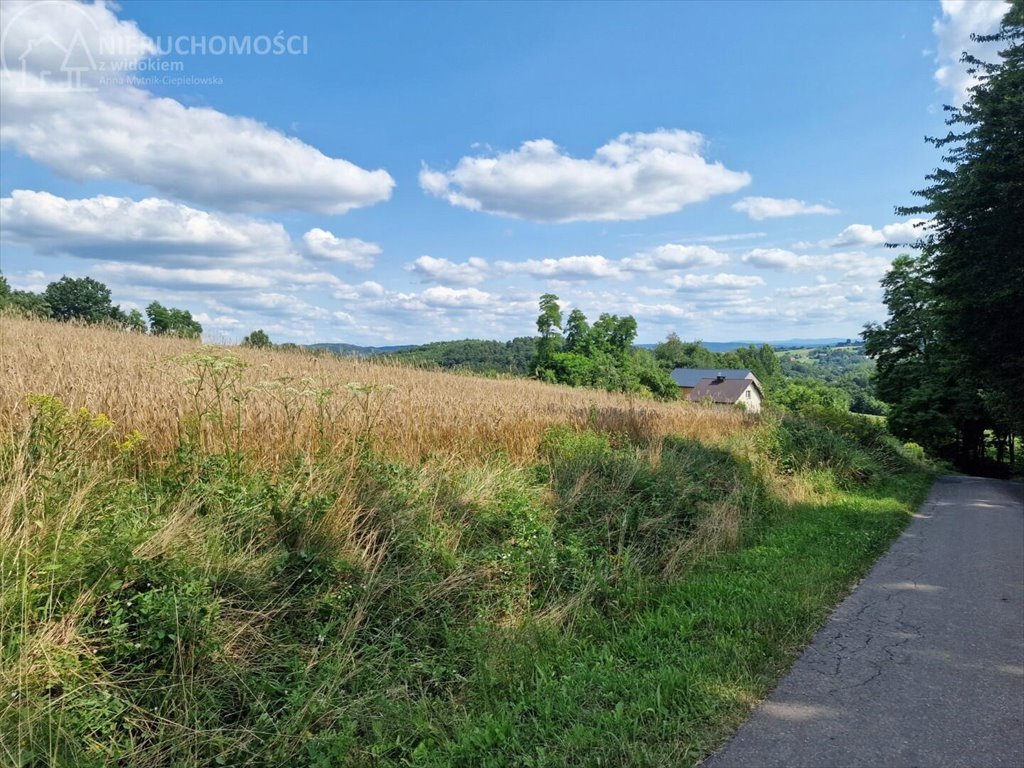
<point x="252" y="558"/>
<point x="286" y="401"/>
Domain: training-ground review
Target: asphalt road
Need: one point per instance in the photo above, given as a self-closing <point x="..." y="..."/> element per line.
<point x="923" y="664"/>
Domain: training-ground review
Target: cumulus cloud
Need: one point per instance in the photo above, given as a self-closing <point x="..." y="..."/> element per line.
<point x="443" y="271"/>
<point x="566" y="268"/>
<point x="364" y="290"/>
<point x="674" y="256"/>
<point x="189" y="279"/>
<point x="455" y="298"/>
<point x="960" y="19"/>
<point x="162" y="233"/>
<point x="667" y="258"/>
<point x="808" y="291"/>
<point x="635" y="176"/>
<point x="326" y="246"/>
<point x="853" y="264"/>
<point x="276" y="304"/>
<point x="720" y="282"/>
<point x="218" y="322"/>
<point x="778" y="259"/>
<point x="728" y="238"/>
<point x="760" y="208"/>
<point x="909" y="231"/>
<point x="661" y="312"/>
<point x="857" y="266"/>
<point x="119" y="228"/>
<point x="86" y="128"/>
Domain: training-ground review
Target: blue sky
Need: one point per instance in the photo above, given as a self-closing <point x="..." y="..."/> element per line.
<point x="422" y="171"/>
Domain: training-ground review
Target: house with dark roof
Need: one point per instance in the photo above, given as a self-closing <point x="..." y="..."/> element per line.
<point x="720" y="387"/>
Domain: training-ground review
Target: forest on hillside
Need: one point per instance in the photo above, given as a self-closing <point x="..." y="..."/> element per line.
<point x="844" y="367"/>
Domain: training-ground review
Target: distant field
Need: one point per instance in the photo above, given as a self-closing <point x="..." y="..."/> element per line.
<point x="148" y="383"/>
<point x="803" y="353"/>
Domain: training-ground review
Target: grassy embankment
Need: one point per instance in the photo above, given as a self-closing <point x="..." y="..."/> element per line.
<point x="281" y="567"/>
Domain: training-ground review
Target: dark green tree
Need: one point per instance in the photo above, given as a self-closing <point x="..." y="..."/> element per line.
<point x="134" y="321"/>
<point x="24" y="302"/>
<point x="933" y="398"/>
<point x="950" y="359"/>
<point x="549" y="325"/>
<point x="169" y="321"/>
<point x="974" y="247"/>
<point x="80" y="299"/>
<point x="257" y="339"/>
<point x="674" y="353"/>
<point x="577" y="332"/>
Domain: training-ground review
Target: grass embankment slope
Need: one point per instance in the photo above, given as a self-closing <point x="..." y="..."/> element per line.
<point x="281" y="559"/>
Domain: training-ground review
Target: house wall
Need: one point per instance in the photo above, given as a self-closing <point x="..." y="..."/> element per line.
<point x="751" y="399"/>
<point x="684" y="391"/>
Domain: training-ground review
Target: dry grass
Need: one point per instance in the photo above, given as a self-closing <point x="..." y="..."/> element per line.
<point x="141" y="383"/>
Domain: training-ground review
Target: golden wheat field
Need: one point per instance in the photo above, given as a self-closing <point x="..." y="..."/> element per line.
<point x="271" y="403"/>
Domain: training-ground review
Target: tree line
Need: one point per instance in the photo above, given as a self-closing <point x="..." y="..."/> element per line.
<point x="85" y="300"/>
<point x="513" y="357"/>
<point x="571" y="351"/>
<point x="950" y="356"/>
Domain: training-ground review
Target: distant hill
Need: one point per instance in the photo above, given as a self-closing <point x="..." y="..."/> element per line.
<point x="844" y="366"/>
<point x="436" y="350"/>
<point x="479" y="355"/>
<point x="358" y="351"/>
<point x="729" y="346"/>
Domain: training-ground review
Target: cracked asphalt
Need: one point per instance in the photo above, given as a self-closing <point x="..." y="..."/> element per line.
<point x="923" y="664"/>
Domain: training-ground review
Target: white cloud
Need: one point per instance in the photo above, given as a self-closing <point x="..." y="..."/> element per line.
<point x="217" y="322"/>
<point x="270" y="303"/>
<point x="455" y="298"/>
<point x="674" y="256"/>
<point x="326" y="246"/>
<point x="155" y="230"/>
<point x="34" y="280"/>
<point x="163" y="243"/>
<point x="728" y="238"/>
<point x="856" y="265"/>
<point x="909" y="231"/>
<point x="566" y="268"/>
<point x="853" y="264"/>
<point x="760" y="208"/>
<point x="663" y="258"/>
<point x="960" y="19"/>
<point x="721" y="282"/>
<point x="856" y="234"/>
<point x="193" y="279"/>
<point x="69" y="44"/>
<point x="805" y="291"/>
<point x="430" y="269"/>
<point x="117" y="131"/>
<point x="365" y="290"/>
<point x="661" y="312"/>
<point x="779" y="259"/>
<point x="635" y="176"/>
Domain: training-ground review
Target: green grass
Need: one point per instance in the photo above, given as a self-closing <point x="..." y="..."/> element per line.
<point x="611" y="604"/>
<point x="664" y="683"/>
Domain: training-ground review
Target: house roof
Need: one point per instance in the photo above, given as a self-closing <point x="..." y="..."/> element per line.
<point x="689" y="377"/>
<point x="721" y="390"/>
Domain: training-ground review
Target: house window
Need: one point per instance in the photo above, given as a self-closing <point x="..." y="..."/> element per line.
<point x="748" y="394"/>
